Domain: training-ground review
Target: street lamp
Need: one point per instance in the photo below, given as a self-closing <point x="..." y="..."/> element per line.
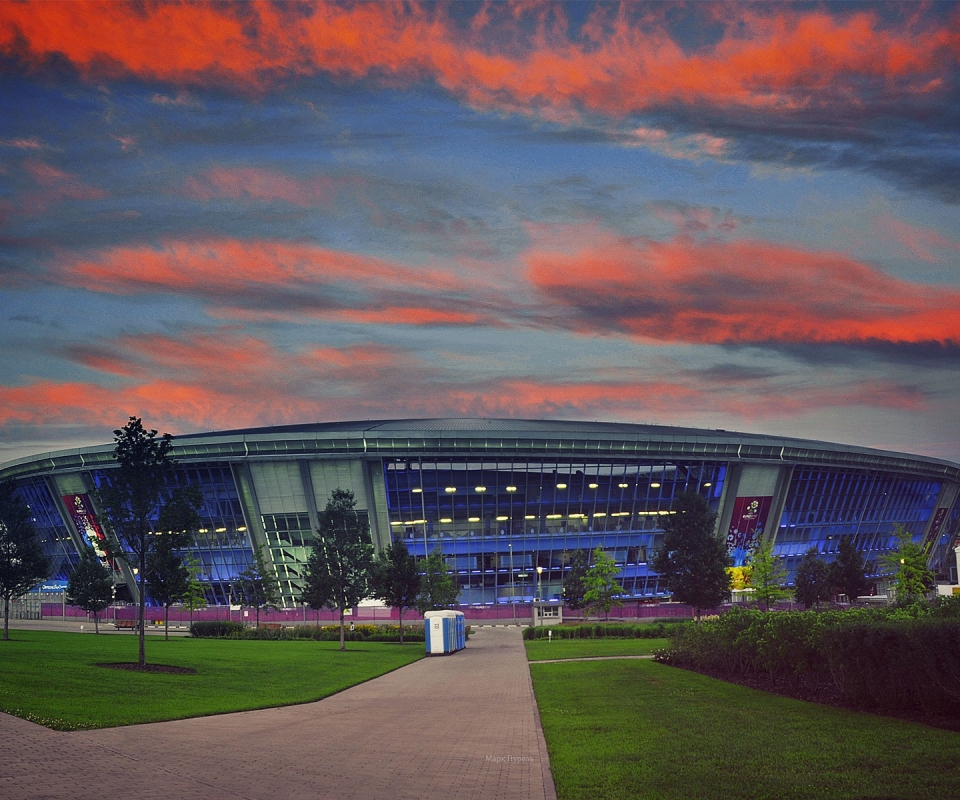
<point x="513" y="585"/>
<point x="539" y="603"/>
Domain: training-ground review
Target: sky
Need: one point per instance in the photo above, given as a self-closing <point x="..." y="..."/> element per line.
<point x="720" y="215"/>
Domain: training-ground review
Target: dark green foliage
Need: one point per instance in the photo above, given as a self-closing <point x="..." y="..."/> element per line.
<point x="216" y="629"/>
<point x="139" y="492"/>
<point x="848" y="572"/>
<point x="692" y="562"/>
<point x="328" y="633"/>
<point x="573" y="582"/>
<point x="884" y="659"/>
<point x="167" y="577"/>
<point x="438" y="587"/>
<point x="908" y="563"/>
<point x="23" y="563"/>
<point x="813" y="580"/>
<point x="767" y="576"/>
<point x="395" y="579"/>
<point x="602" y="589"/>
<point x="338" y="569"/>
<point x="256" y="586"/>
<point x="606" y="630"/>
<point x="90" y="585"/>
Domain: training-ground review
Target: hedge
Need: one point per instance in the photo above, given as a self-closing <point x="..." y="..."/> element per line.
<point x="326" y="633"/>
<point x="899" y="659"/>
<point x="605" y="630"/>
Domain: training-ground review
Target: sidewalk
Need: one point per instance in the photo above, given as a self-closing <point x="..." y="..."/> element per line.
<point x="458" y="726"/>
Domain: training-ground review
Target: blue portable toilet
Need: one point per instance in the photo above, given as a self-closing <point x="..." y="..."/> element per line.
<point x="445" y="632"/>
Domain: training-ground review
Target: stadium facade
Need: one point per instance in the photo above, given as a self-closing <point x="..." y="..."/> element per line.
<point x="508" y="501"/>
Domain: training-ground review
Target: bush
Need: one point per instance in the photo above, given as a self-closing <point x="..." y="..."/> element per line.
<point x="884" y="659"/>
<point x="658" y="630"/>
<point x="217" y="629"/>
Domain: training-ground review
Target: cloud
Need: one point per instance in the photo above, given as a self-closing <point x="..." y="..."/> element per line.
<point x="256" y="183"/>
<point x="623" y="59"/>
<point x="925" y="244"/>
<point x="730" y="292"/>
<point x="200" y="378"/>
<point x="771" y="83"/>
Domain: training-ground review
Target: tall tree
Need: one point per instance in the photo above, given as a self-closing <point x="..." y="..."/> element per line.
<point x="908" y="563"/>
<point x="600" y="584"/>
<point x="847" y="572"/>
<point x="167" y="578"/>
<point x="23" y="563"/>
<point x="134" y="496"/>
<point x="439" y="588"/>
<point x="90" y="585"/>
<point x="395" y="579"/>
<point x="767" y="576"/>
<point x="338" y="569"/>
<point x="195" y="598"/>
<point x="692" y="562"/>
<point x="813" y="580"/>
<point x="573" y="582"/>
<point x="256" y="587"/>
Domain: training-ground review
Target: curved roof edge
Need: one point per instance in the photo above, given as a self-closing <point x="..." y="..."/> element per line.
<point x="472" y="436"/>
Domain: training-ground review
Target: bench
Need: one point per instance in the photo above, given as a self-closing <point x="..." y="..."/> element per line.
<point x="126" y="624"/>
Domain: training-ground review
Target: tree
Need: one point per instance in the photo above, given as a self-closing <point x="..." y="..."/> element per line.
<point x="692" y="562"/>
<point x="195" y="598"/>
<point x="90" y="585"/>
<point x="23" y="563"/>
<point x="395" y="579"/>
<point x="256" y="587"/>
<point x="813" y="580"/>
<point x="767" y="576"/>
<point x="338" y="569"/>
<point x="847" y="571"/>
<point x="438" y="587"/>
<point x="600" y="584"/>
<point x="134" y="497"/>
<point x="912" y="578"/>
<point x="573" y="582"/>
<point x="166" y="578"/>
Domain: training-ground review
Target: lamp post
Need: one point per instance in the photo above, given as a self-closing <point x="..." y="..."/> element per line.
<point x="539" y="604"/>
<point x="513" y="585"/>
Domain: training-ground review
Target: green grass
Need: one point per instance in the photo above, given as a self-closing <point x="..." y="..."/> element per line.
<point x="541" y="649"/>
<point x="52" y="678"/>
<point x="641" y="730"/>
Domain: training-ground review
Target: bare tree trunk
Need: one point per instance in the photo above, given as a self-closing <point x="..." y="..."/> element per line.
<point x="6" y="619"/>
<point x="343" y="645"/>
<point x="401" y="624"/>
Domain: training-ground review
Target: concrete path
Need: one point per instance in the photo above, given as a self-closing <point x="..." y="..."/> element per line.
<point x="458" y="726"/>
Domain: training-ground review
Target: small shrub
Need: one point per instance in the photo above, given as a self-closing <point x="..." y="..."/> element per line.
<point x="218" y="629"/>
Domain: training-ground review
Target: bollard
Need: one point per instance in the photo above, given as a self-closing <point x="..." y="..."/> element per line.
<point x="549" y="636"/>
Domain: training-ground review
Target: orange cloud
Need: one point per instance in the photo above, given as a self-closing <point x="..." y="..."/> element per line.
<point x="732" y="292"/>
<point x="239" y="183"/>
<point x="229" y="265"/>
<point x="517" y="58"/>
<point x="924" y="243"/>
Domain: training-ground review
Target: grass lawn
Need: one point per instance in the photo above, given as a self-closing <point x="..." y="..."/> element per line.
<point x="638" y="729"/>
<point x="52" y="678"/>
<point x="540" y="649"/>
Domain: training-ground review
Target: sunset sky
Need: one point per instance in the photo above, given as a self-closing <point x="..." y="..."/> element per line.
<point x="738" y="216"/>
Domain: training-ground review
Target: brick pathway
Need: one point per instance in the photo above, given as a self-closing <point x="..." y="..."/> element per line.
<point x="459" y="726"/>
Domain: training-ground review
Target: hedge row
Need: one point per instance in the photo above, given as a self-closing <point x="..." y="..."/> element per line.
<point x="327" y="633"/>
<point x="882" y="659"/>
<point x="605" y="630"/>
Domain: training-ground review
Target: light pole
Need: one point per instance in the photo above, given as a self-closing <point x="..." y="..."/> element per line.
<point x="539" y="604"/>
<point x="513" y="585"/>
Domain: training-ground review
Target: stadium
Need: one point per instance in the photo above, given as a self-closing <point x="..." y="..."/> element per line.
<point x="508" y="501"/>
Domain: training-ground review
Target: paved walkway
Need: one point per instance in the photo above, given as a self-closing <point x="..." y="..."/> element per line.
<point x="459" y="726"/>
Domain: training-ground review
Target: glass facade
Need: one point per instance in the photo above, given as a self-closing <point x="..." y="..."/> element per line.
<point x="221" y="545"/>
<point x="508" y="502"/>
<point x="53" y="533"/>
<point x="498" y="521"/>
<point x="825" y="505"/>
